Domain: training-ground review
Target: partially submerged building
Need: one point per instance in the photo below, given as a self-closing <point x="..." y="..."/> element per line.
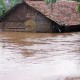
<point x="37" y="16"/>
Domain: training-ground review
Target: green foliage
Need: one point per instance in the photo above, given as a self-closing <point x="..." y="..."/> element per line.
<point x="13" y="2"/>
<point x="2" y="7"/>
<point x="18" y="1"/>
<point x="50" y="1"/>
<point x="2" y="4"/>
<point x="79" y="8"/>
<point x="0" y="12"/>
<point x="78" y="0"/>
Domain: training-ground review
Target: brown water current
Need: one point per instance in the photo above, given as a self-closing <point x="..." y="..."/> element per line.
<point x="39" y="56"/>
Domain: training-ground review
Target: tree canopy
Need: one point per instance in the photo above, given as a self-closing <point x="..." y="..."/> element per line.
<point x="10" y="4"/>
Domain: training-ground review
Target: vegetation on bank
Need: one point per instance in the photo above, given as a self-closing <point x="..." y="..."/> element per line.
<point x="5" y="5"/>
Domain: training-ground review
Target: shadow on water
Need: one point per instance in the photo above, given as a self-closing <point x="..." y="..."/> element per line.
<point x="39" y="56"/>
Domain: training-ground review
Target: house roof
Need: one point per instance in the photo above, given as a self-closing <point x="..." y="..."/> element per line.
<point x="63" y="12"/>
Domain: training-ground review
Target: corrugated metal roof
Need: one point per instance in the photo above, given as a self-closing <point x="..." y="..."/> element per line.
<point x="63" y="12"/>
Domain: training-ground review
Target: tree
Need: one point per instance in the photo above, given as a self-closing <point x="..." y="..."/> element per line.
<point x="2" y="4"/>
<point x="6" y="6"/>
<point x="2" y="7"/>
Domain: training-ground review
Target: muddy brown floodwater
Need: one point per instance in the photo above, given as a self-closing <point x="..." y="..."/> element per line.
<point x="39" y="56"/>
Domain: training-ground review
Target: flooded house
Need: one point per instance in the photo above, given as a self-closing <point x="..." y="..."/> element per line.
<point x="37" y="16"/>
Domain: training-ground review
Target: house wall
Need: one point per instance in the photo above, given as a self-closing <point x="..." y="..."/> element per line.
<point x="14" y="21"/>
<point x="40" y="22"/>
<point x="26" y="18"/>
<point x="0" y="26"/>
<point x="43" y="23"/>
<point x="17" y="14"/>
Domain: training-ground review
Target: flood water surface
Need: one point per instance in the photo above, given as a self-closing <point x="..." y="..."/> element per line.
<point x="39" y="56"/>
